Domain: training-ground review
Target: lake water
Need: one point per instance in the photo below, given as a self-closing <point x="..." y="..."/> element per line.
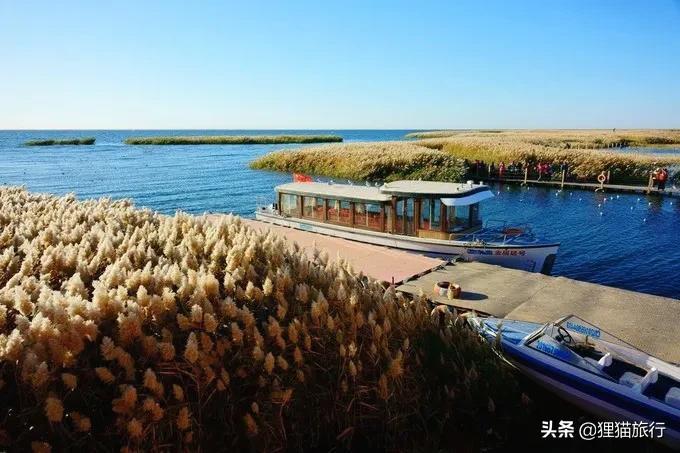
<point x="627" y="241"/>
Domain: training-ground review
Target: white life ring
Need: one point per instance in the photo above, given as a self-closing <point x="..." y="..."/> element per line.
<point x="601" y="178"/>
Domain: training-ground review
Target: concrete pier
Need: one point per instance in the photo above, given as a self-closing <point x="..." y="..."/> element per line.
<point x="651" y="323"/>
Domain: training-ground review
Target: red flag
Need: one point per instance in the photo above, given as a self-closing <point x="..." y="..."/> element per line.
<point x="299" y="177"/>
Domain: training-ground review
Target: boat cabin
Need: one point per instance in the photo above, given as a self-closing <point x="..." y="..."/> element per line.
<point x="434" y="210"/>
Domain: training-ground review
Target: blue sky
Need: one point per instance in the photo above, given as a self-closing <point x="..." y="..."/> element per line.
<point x="428" y="64"/>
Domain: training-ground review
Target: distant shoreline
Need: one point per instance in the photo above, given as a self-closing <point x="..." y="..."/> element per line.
<point x="232" y="139"/>
<point x="61" y="141"/>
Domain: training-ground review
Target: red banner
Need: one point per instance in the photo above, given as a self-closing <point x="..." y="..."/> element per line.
<point x="299" y="177"/>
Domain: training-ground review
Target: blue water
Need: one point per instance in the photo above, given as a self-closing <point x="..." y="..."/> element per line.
<point x="661" y="151"/>
<point x="627" y="241"/>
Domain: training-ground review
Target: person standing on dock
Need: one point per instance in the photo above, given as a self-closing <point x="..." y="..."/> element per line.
<point x="501" y="170"/>
<point x="661" y="178"/>
<point x="564" y="168"/>
<point x="655" y="176"/>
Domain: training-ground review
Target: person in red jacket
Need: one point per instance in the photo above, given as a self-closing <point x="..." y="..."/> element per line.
<point x="661" y="178"/>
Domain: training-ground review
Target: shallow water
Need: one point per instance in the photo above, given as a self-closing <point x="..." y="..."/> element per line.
<point x="628" y="241"/>
<point x="661" y="151"/>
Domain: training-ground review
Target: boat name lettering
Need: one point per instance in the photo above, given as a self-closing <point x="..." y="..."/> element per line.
<point x="479" y="252"/>
<point x="507" y="252"/>
<point x="589" y="331"/>
<point x="551" y="350"/>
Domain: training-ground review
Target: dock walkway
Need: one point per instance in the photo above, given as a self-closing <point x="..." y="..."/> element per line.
<point x="651" y="323"/>
<point x="669" y="191"/>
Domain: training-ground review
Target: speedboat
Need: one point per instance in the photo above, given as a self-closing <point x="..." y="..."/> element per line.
<point x="594" y="370"/>
<point x="433" y="218"/>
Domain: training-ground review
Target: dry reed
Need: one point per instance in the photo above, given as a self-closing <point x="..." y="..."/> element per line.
<point x="382" y="161"/>
<point x="121" y="329"/>
<point x="587" y="152"/>
<point x="232" y="139"/>
<point x="62" y="141"/>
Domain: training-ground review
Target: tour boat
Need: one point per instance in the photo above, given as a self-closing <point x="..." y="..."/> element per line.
<point x="592" y="369"/>
<point x="433" y="218"/>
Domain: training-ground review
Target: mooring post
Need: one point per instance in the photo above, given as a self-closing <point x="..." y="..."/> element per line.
<point x="563" y="174"/>
<point x="650" y="184"/>
<point x="609" y="174"/>
<point x="526" y="174"/>
<point x="601" y="178"/>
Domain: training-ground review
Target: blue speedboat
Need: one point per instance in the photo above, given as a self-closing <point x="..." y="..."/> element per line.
<point x="592" y="369"/>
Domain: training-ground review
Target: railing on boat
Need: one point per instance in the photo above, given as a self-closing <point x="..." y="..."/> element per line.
<point x="500" y="229"/>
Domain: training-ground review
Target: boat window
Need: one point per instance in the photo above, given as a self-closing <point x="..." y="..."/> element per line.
<point x="289" y="205"/>
<point x="451" y="225"/>
<point x="333" y="212"/>
<point x="425" y="214"/>
<point x="410" y="210"/>
<point x="430" y="214"/>
<point x="345" y="214"/>
<point x="359" y="214"/>
<point x="319" y="207"/>
<point x="435" y="214"/>
<point x="458" y="218"/>
<point x="308" y="206"/>
<point x="401" y="219"/>
<point x="373" y="216"/>
<point x="474" y="215"/>
<point x="388" y="218"/>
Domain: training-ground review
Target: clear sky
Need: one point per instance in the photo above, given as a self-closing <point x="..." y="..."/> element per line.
<point x="346" y="64"/>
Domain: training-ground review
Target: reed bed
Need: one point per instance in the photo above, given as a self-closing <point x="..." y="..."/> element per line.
<point x="580" y="139"/>
<point x="232" y="139"/>
<point x="61" y="141"/>
<point x="121" y="329"/>
<point x="383" y="161"/>
<point x="446" y="133"/>
<point x="587" y="152"/>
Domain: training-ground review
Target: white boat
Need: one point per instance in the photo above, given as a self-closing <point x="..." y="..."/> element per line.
<point x="592" y="369"/>
<point x="432" y="218"/>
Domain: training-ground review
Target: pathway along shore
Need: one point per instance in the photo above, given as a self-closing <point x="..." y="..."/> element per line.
<point x="643" y="320"/>
<point x="623" y="188"/>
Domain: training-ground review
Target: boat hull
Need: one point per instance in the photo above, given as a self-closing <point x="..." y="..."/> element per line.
<point x="593" y="394"/>
<point x="531" y="258"/>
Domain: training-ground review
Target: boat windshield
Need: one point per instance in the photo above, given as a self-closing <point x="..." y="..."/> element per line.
<point x="551" y="341"/>
<point x="582" y="331"/>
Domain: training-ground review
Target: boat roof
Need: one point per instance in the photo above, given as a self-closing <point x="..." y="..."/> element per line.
<point x="471" y="193"/>
<point x="328" y="190"/>
<point x="433" y="188"/>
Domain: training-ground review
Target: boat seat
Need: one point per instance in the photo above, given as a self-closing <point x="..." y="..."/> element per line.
<point x="649" y="378"/>
<point x="673" y="397"/>
<point x="630" y="379"/>
<point x="605" y="361"/>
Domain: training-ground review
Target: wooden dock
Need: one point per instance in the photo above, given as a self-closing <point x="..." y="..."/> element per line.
<point x="646" y="321"/>
<point x="623" y="188"/>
